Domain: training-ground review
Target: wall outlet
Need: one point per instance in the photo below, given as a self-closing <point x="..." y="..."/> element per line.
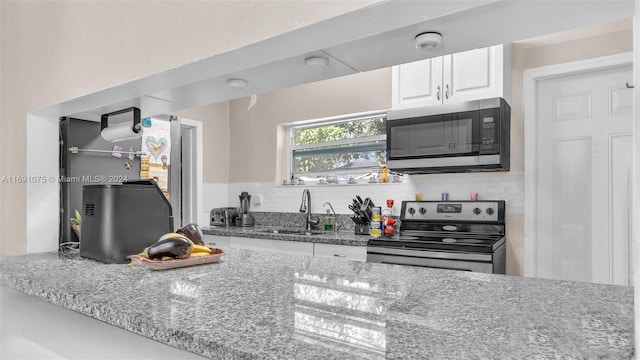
<point x="257" y="199"/>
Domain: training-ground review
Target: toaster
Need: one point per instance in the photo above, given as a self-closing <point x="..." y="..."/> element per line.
<point x="223" y="216"/>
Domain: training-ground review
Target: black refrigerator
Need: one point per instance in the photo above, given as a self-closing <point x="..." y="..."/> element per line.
<point x="94" y="164"/>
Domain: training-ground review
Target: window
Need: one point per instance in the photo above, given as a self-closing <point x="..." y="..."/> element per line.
<point x="347" y="146"/>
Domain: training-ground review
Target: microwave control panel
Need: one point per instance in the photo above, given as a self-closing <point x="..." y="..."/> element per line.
<point x="489" y="133"/>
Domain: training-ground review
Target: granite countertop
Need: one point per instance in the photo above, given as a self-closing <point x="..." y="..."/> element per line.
<point x="273" y="306"/>
<point x="342" y="237"/>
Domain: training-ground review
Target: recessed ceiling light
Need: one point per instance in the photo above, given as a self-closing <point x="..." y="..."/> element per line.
<point x="428" y="40"/>
<point x="238" y="84"/>
<point x="316" y="64"/>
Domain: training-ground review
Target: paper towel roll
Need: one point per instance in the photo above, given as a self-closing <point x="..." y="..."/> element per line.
<point x="120" y="132"/>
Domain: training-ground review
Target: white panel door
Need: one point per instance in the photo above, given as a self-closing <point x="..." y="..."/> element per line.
<point x="418" y="83"/>
<point x="583" y="163"/>
<point x="474" y="74"/>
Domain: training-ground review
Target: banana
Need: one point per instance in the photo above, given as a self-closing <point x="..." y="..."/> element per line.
<point x="196" y="254"/>
<point x="172" y="235"/>
<point x="201" y="249"/>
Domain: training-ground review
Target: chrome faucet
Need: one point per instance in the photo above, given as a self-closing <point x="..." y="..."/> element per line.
<point x="312" y="221"/>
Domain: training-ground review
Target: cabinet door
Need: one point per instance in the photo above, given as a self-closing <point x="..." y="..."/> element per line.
<point x="418" y="83"/>
<point x="358" y="253"/>
<point x="473" y="74"/>
<point x="431" y="136"/>
<point x="217" y="241"/>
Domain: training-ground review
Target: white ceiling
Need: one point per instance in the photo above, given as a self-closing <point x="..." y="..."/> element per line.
<point x="373" y="37"/>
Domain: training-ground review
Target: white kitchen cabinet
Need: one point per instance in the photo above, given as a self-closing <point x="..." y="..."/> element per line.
<point x="417" y="83"/>
<point x="469" y="75"/>
<point x="217" y="241"/>
<point x="281" y="246"/>
<point x="358" y="253"/>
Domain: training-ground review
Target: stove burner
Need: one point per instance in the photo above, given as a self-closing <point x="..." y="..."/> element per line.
<point x="449" y="240"/>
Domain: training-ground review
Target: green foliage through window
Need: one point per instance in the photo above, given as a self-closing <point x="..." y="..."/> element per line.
<point x="344" y="130"/>
<point x="352" y="145"/>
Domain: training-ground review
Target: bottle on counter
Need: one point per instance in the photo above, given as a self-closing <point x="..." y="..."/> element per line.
<point x="328" y="221"/>
<point x="383" y="174"/>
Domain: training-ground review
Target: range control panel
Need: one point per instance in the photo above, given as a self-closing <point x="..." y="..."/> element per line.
<point x="485" y="211"/>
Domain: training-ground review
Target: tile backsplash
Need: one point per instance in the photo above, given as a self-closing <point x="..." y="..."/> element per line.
<point x="287" y="198"/>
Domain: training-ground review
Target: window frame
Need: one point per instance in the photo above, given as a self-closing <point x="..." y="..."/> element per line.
<point x="291" y="147"/>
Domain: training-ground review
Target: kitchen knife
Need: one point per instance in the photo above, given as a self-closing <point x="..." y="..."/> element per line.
<point x="356" y="203"/>
<point x="359" y="199"/>
<point x="366" y="205"/>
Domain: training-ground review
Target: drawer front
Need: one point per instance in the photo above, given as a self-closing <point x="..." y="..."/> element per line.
<point x="358" y="253"/>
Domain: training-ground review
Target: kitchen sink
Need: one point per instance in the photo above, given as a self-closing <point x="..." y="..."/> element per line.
<point x="290" y="231"/>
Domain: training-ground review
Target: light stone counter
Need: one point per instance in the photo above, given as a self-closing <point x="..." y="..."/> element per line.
<point x="262" y="232"/>
<point x="275" y="306"/>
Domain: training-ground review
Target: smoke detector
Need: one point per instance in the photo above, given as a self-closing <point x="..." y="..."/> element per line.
<point x="316" y="64"/>
<point x="238" y="84"/>
<point x="428" y="40"/>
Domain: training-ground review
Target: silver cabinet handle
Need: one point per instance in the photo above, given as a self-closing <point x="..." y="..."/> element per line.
<point x="446" y="91"/>
<point x="449" y="144"/>
<point x="438" y="92"/>
<point x="339" y="255"/>
<point x="454" y="143"/>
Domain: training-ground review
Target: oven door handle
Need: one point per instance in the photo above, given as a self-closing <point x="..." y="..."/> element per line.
<point x="484" y="267"/>
<point x="429" y="254"/>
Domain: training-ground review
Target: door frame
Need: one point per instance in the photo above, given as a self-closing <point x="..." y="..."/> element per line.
<point x="195" y="166"/>
<point x="531" y="77"/>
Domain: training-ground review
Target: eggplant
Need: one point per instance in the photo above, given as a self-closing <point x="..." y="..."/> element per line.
<point x="193" y="232"/>
<point x="177" y="247"/>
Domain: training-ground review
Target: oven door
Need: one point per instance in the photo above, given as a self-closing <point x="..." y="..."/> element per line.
<point x="434" y="259"/>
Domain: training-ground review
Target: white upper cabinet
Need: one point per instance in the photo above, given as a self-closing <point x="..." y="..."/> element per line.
<point x="469" y="75"/>
<point x="417" y="83"/>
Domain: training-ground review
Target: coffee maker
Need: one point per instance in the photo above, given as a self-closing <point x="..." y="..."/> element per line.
<point x="244" y="218"/>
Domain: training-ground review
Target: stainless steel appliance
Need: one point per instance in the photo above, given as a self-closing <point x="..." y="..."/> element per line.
<point x="460" y="235"/>
<point x="463" y="137"/>
<point x="244" y="217"/>
<point x="223" y="216"/>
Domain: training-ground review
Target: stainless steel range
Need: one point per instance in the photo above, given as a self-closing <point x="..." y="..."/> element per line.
<point x="461" y="235"/>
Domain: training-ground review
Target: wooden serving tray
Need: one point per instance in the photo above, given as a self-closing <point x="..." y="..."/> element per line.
<point x="215" y="255"/>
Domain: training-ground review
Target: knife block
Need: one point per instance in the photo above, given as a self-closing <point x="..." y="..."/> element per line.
<point x="362" y="229"/>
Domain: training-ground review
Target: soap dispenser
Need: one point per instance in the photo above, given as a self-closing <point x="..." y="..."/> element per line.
<point x="328" y="221"/>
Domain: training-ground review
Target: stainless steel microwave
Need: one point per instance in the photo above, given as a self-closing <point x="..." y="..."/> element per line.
<point x="463" y="137"/>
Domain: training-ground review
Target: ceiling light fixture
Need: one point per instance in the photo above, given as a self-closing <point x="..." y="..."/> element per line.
<point x="316" y="64"/>
<point x="238" y="84"/>
<point x="428" y="40"/>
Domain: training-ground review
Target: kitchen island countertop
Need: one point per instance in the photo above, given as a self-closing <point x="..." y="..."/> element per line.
<point x="274" y="306"/>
